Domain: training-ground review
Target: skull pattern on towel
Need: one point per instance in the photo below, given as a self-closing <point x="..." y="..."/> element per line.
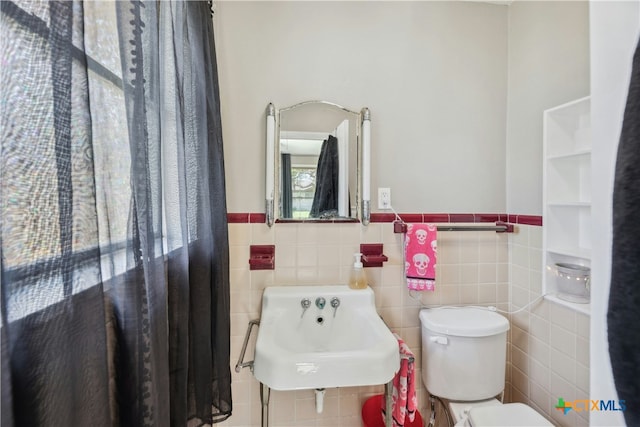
<point x="421" y="248"/>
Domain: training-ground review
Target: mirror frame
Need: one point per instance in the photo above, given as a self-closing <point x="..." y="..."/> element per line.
<point x="363" y="149"/>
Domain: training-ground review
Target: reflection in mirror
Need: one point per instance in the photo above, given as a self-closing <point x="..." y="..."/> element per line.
<point x="316" y="151"/>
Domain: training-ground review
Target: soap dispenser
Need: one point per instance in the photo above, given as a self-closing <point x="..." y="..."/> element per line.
<point x="357" y="279"/>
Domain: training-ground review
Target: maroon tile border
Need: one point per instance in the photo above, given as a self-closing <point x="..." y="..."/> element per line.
<point x="461" y="217"/>
<point x="488" y="217"/>
<point x="529" y="220"/>
<point x="256" y="218"/>
<point x="412" y="217"/>
<point x="238" y="218"/>
<point x="382" y="217"/>
<point x="437" y="217"/>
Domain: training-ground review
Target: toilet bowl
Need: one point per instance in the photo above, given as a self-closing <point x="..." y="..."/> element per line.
<point x="463" y="361"/>
<point x="460" y="410"/>
<point x="493" y="413"/>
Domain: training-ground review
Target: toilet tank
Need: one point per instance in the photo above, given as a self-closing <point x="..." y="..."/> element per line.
<point x="464" y="352"/>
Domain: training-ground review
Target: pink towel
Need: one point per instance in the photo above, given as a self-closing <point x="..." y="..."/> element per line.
<point x="404" y="400"/>
<point x="420" y="253"/>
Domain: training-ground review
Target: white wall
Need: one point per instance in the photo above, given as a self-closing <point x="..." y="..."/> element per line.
<point x="614" y="35"/>
<point x="548" y="66"/>
<point x="433" y="75"/>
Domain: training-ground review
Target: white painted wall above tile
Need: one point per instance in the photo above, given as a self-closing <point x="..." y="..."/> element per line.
<point x="433" y="74"/>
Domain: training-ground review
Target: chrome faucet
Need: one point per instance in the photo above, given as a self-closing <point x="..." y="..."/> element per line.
<point x="305" y="303"/>
<point x="320" y="302"/>
<point x="335" y="303"/>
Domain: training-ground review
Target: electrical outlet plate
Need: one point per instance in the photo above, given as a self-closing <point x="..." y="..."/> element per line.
<point x="384" y="198"/>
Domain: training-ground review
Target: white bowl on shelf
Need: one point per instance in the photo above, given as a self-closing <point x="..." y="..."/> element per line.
<point x="574" y="282"/>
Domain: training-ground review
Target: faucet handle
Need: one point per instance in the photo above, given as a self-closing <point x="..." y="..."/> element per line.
<point x="305" y="303"/>
<point x="335" y="303"/>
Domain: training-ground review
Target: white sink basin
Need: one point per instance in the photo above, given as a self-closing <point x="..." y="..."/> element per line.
<point x="320" y="350"/>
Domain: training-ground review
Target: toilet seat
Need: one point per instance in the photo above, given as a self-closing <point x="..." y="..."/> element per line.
<point x="460" y="410"/>
<point x="507" y="415"/>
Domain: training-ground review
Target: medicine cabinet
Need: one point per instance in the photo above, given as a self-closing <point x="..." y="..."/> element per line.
<point x="317" y="163"/>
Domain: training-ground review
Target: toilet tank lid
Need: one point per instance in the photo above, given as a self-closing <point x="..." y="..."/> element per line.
<point x="463" y="321"/>
<point x="510" y="414"/>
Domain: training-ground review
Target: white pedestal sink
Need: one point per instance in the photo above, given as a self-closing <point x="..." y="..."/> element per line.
<point x="322" y="346"/>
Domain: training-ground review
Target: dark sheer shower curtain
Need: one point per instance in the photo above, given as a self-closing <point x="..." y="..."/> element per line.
<point x="115" y="285"/>
<point x="623" y="314"/>
<point x="325" y="199"/>
<point x="287" y="186"/>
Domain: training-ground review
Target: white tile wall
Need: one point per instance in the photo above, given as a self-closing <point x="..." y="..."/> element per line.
<point x="548" y="353"/>
<point x="549" y="347"/>
<point x="473" y="268"/>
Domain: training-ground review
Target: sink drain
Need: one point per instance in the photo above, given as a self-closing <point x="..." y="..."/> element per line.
<point x="320" y="320"/>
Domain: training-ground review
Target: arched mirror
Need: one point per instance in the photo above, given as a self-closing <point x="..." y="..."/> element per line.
<point x="317" y="163"/>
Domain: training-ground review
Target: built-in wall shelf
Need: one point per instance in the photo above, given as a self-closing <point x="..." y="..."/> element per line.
<point x="569" y="252"/>
<point x="570" y="204"/>
<point x="577" y="153"/>
<point x="566" y="193"/>
<point x="580" y="308"/>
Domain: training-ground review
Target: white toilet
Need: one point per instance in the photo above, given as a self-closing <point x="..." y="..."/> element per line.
<point x="463" y="361"/>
